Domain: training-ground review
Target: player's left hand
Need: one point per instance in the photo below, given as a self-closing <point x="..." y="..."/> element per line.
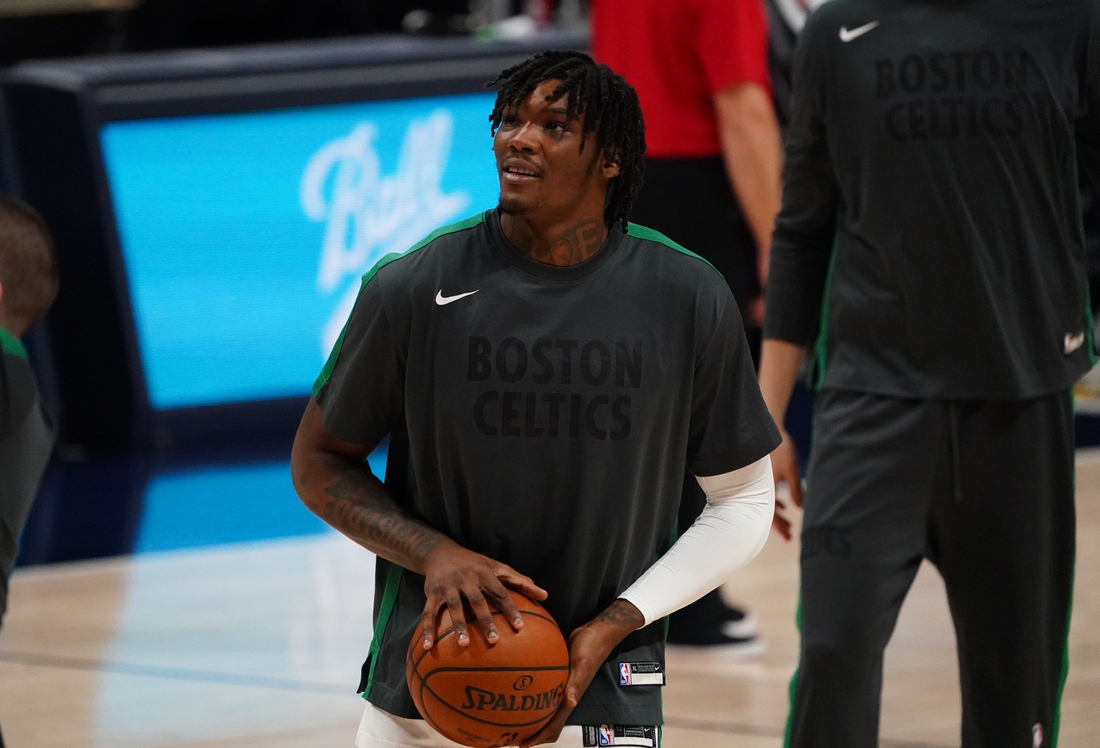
<point x="780" y="523"/>
<point x="589" y="647"/>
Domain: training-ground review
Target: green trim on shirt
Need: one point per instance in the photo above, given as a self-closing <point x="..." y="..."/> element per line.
<point x="330" y="364"/>
<point x="1090" y="328"/>
<point x="1090" y="332"/>
<point x="793" y="685"/>
<point x="1056" y="722"/>
<point x="11" y="345"/>
<point x="389" y="597"/>
<point x="641" y="232"/>
<point x="823" y="329"/>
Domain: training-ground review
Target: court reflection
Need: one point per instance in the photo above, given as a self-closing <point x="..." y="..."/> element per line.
<point x="246" y="639"/>
<point x="143" y="502"/>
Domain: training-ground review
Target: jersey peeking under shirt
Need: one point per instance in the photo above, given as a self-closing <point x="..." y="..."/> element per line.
<point x="931" y="218"/>
<point x="543" y="416"/>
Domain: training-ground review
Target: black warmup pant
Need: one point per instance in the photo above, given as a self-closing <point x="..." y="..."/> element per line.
<point x="984" y="490"/>
<point x="690" y="201"/>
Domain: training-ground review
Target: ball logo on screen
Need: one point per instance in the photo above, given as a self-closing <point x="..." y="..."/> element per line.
<point x="369" y="214"/>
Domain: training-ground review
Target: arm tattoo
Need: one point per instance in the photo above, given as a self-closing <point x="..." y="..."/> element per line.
<point x="358" y="505"/>
<point x="622" y="613"/>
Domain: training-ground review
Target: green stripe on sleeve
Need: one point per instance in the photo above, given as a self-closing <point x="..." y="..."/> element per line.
<point x="641" y="232"/>
<point x="330" y="364"/>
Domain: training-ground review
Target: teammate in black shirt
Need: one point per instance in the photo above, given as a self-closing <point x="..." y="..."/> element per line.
<point x="930" y="250"/>
<point x="545" y="372"/>
<point x="28" y="285"/>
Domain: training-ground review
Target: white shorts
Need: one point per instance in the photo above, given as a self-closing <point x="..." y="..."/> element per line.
<point x="380" y="729"/>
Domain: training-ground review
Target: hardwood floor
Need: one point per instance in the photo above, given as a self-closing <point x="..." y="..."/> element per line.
<point x="260" y="645"/>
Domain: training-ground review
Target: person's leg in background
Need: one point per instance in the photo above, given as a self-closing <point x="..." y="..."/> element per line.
<point x="876" y="465"/>
<point x="1005" y="547"/>
<point x="691" y="202"/>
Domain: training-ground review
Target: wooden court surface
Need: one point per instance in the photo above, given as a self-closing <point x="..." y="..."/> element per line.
<point x="260" y="644"/>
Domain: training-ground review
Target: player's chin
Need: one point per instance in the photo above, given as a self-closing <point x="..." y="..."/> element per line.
<point x="514" y="205"/>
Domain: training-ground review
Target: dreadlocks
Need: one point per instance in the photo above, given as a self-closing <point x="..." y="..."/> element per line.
<point x="610" y="108"/>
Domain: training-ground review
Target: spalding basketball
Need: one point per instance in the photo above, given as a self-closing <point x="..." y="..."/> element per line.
<point x="490" y="696"/>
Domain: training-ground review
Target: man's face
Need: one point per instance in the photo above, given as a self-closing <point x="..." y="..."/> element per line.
<point x="543" y="174"/>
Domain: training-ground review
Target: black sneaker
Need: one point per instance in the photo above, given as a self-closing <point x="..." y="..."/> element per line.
<point x="711" y="636"/>
<point x="738" y="623"/>
<point x="714" y="642"/>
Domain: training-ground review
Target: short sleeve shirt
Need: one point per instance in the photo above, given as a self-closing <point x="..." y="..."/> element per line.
<point x="677" y="56"/>
<point x="547" y="414"/>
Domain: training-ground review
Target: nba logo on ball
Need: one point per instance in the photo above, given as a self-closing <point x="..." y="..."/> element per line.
<point x="624" y="674"/>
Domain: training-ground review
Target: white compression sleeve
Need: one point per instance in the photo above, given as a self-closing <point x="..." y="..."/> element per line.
<point x="729" y="533"/>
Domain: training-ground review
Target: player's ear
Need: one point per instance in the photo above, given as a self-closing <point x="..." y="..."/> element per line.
<point x="611" y="167"/>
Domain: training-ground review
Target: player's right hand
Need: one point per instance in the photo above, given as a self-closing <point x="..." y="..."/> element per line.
<point x="785" y="470"/>
<point x="455" y="575"/>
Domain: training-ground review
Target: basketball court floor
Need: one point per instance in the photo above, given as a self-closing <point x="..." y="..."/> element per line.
<point x="259" y="644"/>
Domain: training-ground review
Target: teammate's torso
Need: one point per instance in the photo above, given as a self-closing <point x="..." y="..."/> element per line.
<point x="26" y="441"/>
<point x="959" y="267"/>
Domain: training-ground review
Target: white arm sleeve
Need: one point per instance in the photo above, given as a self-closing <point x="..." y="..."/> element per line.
<point x="729" y="533"/>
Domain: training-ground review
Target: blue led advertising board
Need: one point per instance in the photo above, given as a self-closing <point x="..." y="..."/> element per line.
<point x="244" y="236"/>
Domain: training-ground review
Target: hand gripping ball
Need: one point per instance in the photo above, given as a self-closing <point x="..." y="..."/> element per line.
<point x="485" y="695"/>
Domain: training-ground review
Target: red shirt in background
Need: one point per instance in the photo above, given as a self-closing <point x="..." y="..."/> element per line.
<point x="677" y="54"/>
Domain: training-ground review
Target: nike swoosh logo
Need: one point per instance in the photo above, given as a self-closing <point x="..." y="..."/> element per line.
<point x="847" y="36"/>
<point x="444" y="300"/>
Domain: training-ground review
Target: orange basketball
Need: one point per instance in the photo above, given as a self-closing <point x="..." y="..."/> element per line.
<point x="490" y="696"/>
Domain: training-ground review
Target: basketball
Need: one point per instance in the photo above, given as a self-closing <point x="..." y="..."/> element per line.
<point x="489" y="696"/>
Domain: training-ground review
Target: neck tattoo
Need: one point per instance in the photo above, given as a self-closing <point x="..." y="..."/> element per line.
<point x="572" y="246"/>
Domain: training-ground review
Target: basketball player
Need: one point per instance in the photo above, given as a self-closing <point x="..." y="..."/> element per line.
<point x="28" y="285"/>
<point x="544" y="372"/>
<point x="931" y="220"/>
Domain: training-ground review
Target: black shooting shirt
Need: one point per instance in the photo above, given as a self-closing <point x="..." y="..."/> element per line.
<point x="26" y="441"/>
<point x="543" y="416"/>
<point x="930" y="243"/>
